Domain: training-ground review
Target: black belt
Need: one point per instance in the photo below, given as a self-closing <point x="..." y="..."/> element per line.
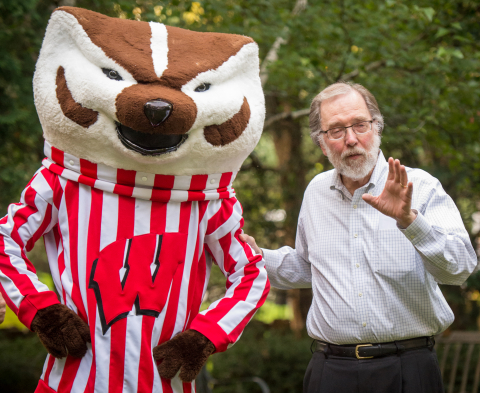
<point x="368" y="351"/>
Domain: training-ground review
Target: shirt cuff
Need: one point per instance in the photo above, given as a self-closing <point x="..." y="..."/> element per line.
<point x="271" y="258"/>
<point x="34" y="302"/>
<point x="417" y="230"/>
<point x="212" y="331"/>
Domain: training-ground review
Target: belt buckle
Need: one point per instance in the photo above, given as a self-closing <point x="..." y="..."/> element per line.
<point x="362" y="357"/>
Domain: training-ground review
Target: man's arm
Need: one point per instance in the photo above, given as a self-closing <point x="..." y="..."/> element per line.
<point x="441" y="239"/>
<point x="287" y="268"/>
<point x="438" y="234"/>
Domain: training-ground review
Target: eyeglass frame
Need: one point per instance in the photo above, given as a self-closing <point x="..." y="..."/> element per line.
<point x="351" y="126"/>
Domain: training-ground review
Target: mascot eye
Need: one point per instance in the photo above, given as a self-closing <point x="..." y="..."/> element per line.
<point x="203" y="87"/>
<point x="112" y="74"/>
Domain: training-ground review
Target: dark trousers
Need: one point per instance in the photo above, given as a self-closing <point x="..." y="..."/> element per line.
<point x="414" y="371"/>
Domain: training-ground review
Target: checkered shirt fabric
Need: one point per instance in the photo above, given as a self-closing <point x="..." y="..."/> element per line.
<point x="373" y="281"/>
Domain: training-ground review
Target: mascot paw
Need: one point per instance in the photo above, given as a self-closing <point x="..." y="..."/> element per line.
<point x="61" y="331"/>
<point x="188" y="350"/>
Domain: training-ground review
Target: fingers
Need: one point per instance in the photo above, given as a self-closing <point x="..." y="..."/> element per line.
<point x="410" y="190"/>
<point x="61" y="331"/>
<point x="398" y="176"/>
<point x="83" y="329"/>
<point x="191" y="368"/>
<point x="3" y="308"/>
<point x="391" y="170"/>
<point x="169" y="366"/>
<point x="55" y="346"/>
<point x="399" y="172"/>
<point x="169" y="359"/>
<point x="370" y="199"/>
<point x="251" y="242"/>
<point x="161" y="351"/>
<point x="73" y="340"/>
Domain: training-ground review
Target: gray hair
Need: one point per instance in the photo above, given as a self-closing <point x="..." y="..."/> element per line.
<point x="335" y="90"/>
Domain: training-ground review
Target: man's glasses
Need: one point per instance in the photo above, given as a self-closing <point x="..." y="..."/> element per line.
<point x="340" y="132"/>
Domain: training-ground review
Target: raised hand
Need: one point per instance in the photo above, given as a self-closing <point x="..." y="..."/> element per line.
<point x="396" y="198"/>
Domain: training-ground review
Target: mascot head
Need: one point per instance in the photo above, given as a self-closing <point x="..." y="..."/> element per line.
<point x="148" y="97"/>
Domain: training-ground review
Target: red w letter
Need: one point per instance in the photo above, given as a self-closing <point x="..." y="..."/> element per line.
<point x="137" y="271"/>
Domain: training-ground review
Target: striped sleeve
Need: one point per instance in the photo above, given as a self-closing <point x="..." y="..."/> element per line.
<point x="23" y="225"/>
<point x="247" y="283"/>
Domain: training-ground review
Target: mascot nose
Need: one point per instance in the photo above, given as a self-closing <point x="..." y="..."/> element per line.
<point x="157" y="111"/>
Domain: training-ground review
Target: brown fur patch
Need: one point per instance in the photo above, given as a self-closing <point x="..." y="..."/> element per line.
<point x="125" y="41"/>
<point x="61" y="331"/>
<point x="130" y="109"/>
<point x="188" y="350"/>
<point x="128" y="43"/>
<point x="223" y="134"/>
<point x="191" y="53"/>
<point x="70" y="108"/>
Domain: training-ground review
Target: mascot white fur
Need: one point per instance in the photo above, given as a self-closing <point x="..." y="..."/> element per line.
<point x="145" y="127"/>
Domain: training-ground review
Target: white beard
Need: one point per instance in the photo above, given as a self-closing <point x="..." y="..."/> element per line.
<point x="359" y="168"/>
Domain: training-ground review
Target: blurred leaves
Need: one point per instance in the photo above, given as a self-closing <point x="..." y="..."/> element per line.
<point x="421" y="59"/>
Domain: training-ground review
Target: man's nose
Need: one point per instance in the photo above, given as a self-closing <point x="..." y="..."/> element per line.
<point x="350" y="137"/>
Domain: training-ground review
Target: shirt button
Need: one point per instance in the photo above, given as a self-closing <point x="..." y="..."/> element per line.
<point x="360" y="294"/>
<point x="412" y="237"/>
<point x="354" y="206"/>
<point x="144" y="178"/>
<point x="357" y="265"/>
<point x="364" y="324"/>
<point x="71" y="162"/>
<point x="212" y="181"/>
<point x="370" y="192"/>
<point x="355" y="235"/>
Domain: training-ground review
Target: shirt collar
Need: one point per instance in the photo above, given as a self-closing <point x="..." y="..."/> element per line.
<point x="378" y="174"/>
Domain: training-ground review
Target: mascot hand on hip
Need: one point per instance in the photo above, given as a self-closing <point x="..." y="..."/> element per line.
<point x="145" y="128"/>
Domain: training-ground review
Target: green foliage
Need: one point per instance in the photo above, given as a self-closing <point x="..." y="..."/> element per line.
<point x="276" y="356"/>
<point x="21" y="361"/>
<point x="421" y="59"/>
<point x="22" y="28"/>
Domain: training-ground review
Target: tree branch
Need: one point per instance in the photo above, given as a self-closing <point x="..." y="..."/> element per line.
<point x="285" y="115"/>
<point x="256" y="164"/>
<point x="369" y="67"/>
<point x="304" y="112"/>
<point x="272" y="54"/>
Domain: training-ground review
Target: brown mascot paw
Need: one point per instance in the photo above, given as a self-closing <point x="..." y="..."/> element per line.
<point x="188" y="350"/>
<point x="61" y="331"/>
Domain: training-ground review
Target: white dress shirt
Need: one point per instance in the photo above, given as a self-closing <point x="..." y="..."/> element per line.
<point x="372" y="281"/>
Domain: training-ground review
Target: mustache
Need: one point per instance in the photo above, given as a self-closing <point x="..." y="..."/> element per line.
<point x="353" y="151"/>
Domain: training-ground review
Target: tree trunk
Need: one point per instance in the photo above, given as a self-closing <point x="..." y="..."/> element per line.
<point x="287" y="137"/>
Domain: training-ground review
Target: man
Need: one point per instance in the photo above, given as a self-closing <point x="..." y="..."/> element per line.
<point x="373" y="240"/>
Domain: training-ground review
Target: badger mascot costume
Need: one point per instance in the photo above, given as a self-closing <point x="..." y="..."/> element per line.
<point x="145" y="127"/>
